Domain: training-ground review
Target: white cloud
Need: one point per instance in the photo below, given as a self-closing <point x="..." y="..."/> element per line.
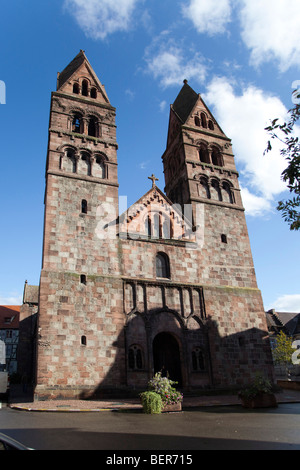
<point x="270" y="29"/>
<point x="143" y="165"/>
<point x="243" y="118"/>
<point x="130" y="94"/>
<point x="162" y="106"/>
<point x="11" y="299"/>
<point x="255" y="205"/>
<point x="209" y="17"/>
<point x="170" y="63"/>
<point x="99" y="18"/>
<point x="287" y="303"/>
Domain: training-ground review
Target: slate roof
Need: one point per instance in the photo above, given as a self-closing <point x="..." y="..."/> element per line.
<point x="71" y="68"/>
<point x="185" y="102"/>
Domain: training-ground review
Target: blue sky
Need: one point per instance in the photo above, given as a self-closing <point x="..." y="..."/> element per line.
<point x="241" y="55"/>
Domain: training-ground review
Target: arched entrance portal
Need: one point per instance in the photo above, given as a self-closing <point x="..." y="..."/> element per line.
<point x="166" y="356"/>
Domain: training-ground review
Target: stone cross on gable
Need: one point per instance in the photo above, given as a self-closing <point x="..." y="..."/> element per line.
<point x="153" y="178"/>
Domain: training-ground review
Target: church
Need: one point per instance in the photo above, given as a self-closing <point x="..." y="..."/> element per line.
<point x="168" y="285"/>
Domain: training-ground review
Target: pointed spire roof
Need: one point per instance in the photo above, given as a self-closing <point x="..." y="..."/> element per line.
<point x="185" y="101"/>
<point x="71" y="68"/>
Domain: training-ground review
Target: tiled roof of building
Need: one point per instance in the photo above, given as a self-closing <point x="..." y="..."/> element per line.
<point x="9" y="316"/>
<point x="289" y="322"/>
<point x="31" y="294"/>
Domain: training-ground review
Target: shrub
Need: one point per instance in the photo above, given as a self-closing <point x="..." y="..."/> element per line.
<point x="152" y="402"/>
<point x="259" y="386"/>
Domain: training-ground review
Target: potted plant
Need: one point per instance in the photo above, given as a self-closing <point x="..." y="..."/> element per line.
<point x="163" y="386"/>
<point x="258" y="394"/>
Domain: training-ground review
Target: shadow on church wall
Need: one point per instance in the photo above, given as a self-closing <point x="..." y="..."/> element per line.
<point x="198" y="358"/>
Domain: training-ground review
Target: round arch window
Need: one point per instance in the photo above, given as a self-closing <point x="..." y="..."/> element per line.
<point x="162" y="265"/>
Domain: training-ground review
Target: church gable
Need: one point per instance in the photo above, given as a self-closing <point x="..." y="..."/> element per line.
<point x="154" y="217"/>
<point x="79" y="78"/>
<point x="202" y="119"/>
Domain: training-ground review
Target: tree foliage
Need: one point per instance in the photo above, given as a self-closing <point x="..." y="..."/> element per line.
<point x="283" y="349"/>
<point x="285" y="133"/>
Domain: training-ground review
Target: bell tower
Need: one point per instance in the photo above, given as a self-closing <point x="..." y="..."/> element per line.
<point x="200" y="171"/>
<point x="81" y="190"/>
<point x="198" y="162"/>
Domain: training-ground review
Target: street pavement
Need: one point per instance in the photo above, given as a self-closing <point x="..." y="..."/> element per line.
<point x="21" y="401"/>
<point x="119" y="432"/>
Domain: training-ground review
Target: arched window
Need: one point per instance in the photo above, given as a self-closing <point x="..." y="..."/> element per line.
<point x="71" y="164"/>
<point x="148" y="226"/>
<point x="197" y="121"/>
<point x="99" y="168"/>
<point x="216" y="157"/>
<point x="197" y="360"/>
<point x="76" y="88"/>
<point x="77" y="124"/>
<point x="162" y="265"/>
<point x="83" y="340"/>
<point x="85" y="164"/>
<point x="166" y="227"/>
<point x="203" y="154"/>
<point x="204" y="188"/>
<point x="156" y="226"/>
<point x="84" y="88"/>
<point x="227" y="193"/>
<point x="93" y="127"/>
<point x="211" y="125"/>
<point x="84" y="206"/>
<point x="203" y="120"/>
<point x="215" y="190"/>
<point x="93" y="93"/>
<point x="135" y="357"/>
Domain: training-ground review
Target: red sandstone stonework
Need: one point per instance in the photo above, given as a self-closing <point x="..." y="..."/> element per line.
<point x="121" y="298"/>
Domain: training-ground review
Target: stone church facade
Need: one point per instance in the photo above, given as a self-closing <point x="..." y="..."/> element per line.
<point x="167" y="285"/>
